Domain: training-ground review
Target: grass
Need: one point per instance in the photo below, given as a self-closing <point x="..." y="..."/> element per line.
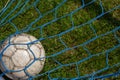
<point x="57" y="21"/>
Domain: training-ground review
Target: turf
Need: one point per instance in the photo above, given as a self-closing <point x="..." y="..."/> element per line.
<point x="78" y="36"/>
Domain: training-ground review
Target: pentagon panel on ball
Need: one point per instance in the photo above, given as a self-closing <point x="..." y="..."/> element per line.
<point x="23" y="56"/>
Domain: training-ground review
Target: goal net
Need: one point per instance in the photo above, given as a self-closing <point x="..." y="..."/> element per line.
<point x="81" y="37"/>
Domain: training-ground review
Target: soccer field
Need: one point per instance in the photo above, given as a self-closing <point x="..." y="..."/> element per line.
<point x="81" y="38"/>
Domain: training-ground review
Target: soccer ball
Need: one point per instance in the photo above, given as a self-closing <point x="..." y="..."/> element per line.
<point x="22" y="56"/>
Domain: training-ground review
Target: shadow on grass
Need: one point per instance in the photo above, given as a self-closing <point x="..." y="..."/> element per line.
<point x="108" y="17"/>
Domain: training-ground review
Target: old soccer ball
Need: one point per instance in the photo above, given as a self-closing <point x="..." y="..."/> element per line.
<point x="22" y="56"/>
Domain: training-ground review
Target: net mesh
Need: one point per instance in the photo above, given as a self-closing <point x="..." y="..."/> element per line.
<point x="81" y="37"/>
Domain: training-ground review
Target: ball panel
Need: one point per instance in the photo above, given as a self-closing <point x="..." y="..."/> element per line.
<point x="42" y="55"/>
<point x="21" y="58"/>
<point x="19" y="73"/>
<point x="9" y="51"/>
<point x="8" y="62"/>
<point x="35" y="68"/>
<point x="12" y="38"/>
<point x="37" y="43"/>
<point x="32" y="38"/>
<point x="21" y="46"/>
<point x="21" y="39"/>
<point x="35" y="50"/>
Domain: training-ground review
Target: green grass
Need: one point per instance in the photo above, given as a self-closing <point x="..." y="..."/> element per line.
<point x="72" y="38"/>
